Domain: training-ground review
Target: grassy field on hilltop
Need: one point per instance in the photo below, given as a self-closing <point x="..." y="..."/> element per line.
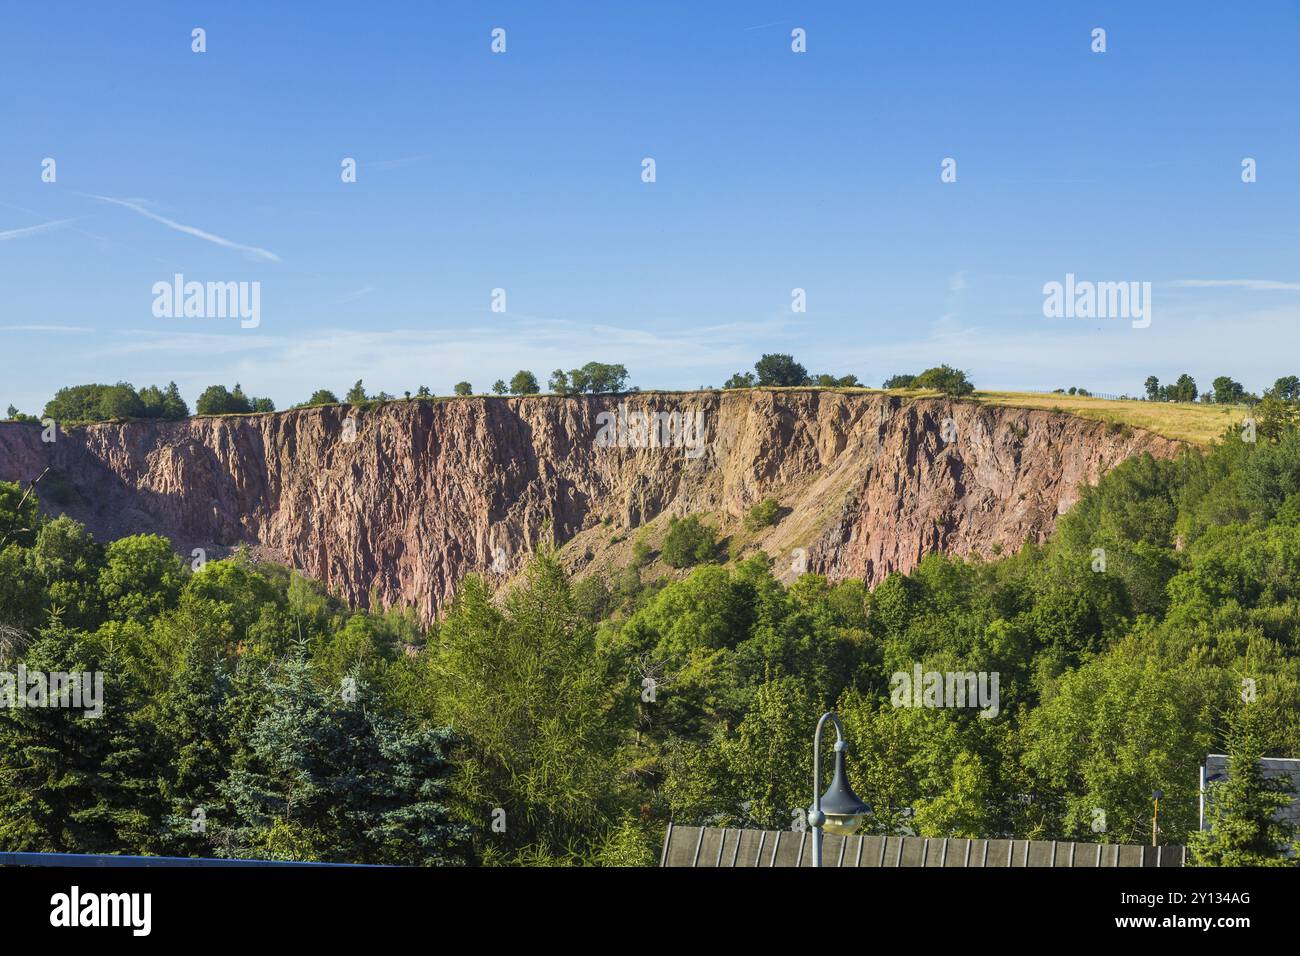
<point x="1186" y="421"/>
<point x="1191" y="422"/>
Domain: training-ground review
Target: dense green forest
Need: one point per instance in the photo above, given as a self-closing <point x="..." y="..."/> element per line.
<point x="249" y="714"/>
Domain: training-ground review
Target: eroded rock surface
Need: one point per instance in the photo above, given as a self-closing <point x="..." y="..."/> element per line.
<point x="430" y="491"/>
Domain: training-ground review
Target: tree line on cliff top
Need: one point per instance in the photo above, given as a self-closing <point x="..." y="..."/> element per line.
<point x="249" y="714"/>
<point x="1224" y="390"/>
<point x="122" y="401"/>
<point x="119" y="402"/>
<point x="97" y="402"/>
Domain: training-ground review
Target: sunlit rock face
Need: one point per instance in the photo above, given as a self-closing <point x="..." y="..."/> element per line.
<point x="396" y="503"/>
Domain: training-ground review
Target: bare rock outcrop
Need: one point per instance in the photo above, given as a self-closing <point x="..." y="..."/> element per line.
<point x="397" y="503"/>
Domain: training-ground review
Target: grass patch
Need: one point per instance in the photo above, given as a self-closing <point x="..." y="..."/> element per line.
<point x="1184" y="421"/>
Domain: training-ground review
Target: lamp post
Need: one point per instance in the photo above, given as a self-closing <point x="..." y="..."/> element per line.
<point x="1156" y="797"/>
<point x="838" y="809"/>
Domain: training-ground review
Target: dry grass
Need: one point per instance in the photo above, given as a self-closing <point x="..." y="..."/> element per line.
<point x="1185" y="421"/>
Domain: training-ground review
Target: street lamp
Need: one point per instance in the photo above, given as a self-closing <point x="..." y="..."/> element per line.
<point x="838" y="809"/>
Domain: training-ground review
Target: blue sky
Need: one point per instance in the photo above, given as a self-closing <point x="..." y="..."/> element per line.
<point x="522" y="171"/>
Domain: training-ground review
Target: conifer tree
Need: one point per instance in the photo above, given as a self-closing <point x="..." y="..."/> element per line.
<point x="1245" y="828"/>
<point x="329" y="778"/>
<point x="74" y="782"/>
<point x="199" y="748"/>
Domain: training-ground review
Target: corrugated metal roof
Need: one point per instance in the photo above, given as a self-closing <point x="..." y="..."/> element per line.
<point x="715" y="847"/>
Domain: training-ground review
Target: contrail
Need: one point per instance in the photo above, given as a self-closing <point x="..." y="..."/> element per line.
<point x="254" y="251"/>
<point x="32" y="230"/>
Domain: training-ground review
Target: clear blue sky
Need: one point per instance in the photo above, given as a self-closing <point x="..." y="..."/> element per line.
<point x="522" y="171"/>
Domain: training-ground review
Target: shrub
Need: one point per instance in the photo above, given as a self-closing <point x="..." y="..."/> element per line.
<point x="951" y="381"/>
<point x="830" y="381"/>
<point x="780" y="370"/>
<point x="764" y="514"/>
<point x="899" y="381"/>
<point x="690" y="542"/>
<point x="322" y="396"/>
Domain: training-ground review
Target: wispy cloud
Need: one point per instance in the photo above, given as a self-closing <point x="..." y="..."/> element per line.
<point x="295" y="363"/>
<point x="33" y="230"/>
<point x="398" y="163"/>
<point x="253" y="252"/>
<point x="1113" y="358"/>
<point x="45" y="328"/>
<point x="1255" y="285"/>
<point x="950" y="325"/>
<point x="353" y="296"/>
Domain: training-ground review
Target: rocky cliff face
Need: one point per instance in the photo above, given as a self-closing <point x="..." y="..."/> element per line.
<point x="397" y="503"/>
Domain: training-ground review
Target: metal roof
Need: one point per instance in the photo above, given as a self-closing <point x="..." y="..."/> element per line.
<point x="714" y="847"/>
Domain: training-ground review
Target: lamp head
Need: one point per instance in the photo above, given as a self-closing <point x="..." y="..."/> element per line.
<point x="843" y="811"/>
